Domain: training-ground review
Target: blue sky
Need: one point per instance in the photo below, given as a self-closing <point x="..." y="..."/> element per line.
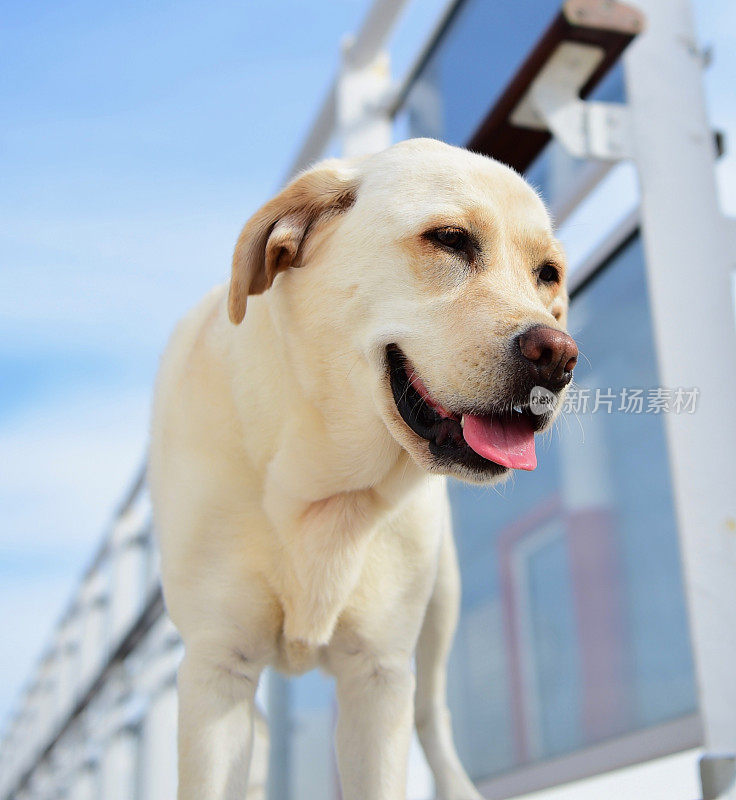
<point x="137" y="138"/>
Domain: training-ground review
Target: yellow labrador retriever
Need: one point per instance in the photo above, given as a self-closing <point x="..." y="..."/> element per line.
<point x="301" y="436"/>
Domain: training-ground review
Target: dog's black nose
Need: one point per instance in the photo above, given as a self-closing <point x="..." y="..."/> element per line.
<point x="549" y="356"/>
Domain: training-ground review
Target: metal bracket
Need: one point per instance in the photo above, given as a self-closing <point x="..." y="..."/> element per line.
<point x="718" y="777"/>
<point x="586" y="129"/>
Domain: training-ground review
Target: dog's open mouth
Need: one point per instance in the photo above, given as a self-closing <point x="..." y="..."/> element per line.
<point x="490" y="443"/>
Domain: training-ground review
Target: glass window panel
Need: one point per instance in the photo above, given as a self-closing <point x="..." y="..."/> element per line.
<point x="573" y="626"/>
<point x="551" y="626"/>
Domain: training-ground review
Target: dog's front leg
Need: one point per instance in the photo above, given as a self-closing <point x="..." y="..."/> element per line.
<point x="216" y="715"/>
<point x="375" y="697"/>
<point x="433" y="649"/>
<point x="324" y="544"/>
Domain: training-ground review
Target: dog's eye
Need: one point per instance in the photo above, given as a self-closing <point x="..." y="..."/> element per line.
<point x="455" y="239"/>
<point x="549" y="274"/>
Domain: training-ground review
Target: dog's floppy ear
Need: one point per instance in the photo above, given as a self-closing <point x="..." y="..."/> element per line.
<point x="273" y="238"/>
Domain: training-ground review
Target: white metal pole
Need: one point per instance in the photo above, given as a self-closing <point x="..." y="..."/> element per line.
<point x="158" y="767"/>
<point x="364" y="48"/>
<point x="363" y="123"/>
<point x="688" y="267"/>
<point x="95" y="596"/>
<point x="128" y="562"/>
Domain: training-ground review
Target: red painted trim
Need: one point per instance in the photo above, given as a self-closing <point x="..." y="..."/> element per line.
<point x="597" y="584"/>
<point x="545" y="512"/>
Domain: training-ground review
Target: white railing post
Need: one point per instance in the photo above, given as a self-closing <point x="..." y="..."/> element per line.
<point x="689" y="274"/>
<point x="84" y="782"/>
<point x="128" y="554"/>
<point x="363" y="123"/>
<point x="363" y="52"/>
<point x="94" y="600"/>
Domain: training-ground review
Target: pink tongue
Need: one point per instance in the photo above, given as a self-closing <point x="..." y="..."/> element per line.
<point x="509" y="442"/>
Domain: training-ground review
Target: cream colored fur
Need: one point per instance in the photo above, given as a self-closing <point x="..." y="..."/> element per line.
<point x="301" y="522"/>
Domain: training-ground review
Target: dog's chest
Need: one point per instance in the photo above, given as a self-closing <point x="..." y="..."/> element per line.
<point x="352" y="566"/>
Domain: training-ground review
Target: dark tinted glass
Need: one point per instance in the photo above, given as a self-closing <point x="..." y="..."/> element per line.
<point x="484" y="45"/>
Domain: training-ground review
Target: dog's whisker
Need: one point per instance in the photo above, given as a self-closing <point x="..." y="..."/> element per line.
<point x="581" y="354"/>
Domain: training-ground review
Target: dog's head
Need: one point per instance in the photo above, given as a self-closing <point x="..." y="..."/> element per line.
<point x="438" y="271"/>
